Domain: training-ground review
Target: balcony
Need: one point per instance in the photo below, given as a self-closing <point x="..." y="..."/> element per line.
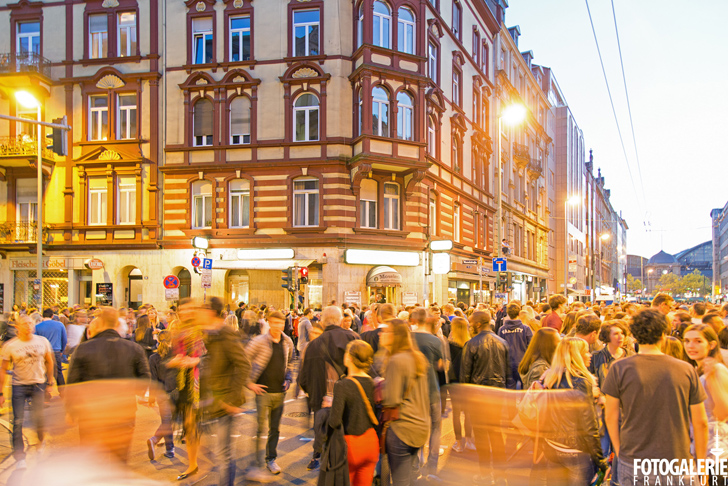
<point x="22" y="232"/>
<point x="520" y="155"/>
<point x="22" y="152"/>
<point x="534" y="169"/>
<point x="24" y="62"/>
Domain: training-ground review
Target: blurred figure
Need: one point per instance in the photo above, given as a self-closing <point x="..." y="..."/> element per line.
<point x="226" y="372"/>
<point x="33" y="370"/>
<point x="673" y="347"/>
<point x="304" y="329"/>
<point x="55" y="332"/>
<point x="167" y="379"/>
<point x="569" y="322"/>
<point x="144" y="335"/>
<point x="405" y="400"/>
<point x="353" y="408"/>
<point x="485" y="362"/>
<point x="271" y="356"/>
<point x="459" y="336"/>
<point x="107" y="357"/>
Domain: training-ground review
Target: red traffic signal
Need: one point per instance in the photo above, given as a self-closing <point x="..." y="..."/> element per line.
<point x="303" y="275"/>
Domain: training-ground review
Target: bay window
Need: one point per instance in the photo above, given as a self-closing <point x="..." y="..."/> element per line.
<point x="405" y="116"/>
<point x="98" y="117"/>
<point x="97" y="193"/>
<point x="406" y="31"/>
<point x="126" y="116"/>
<point x="380" y="112"/>
<point x="368" y="203"/>
<point x="382" y="25"/>
<point x="126" y="206"/>
<point x="391" y="206"/>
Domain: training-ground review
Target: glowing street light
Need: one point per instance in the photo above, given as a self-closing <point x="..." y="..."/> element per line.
<point x="27" y="100"/>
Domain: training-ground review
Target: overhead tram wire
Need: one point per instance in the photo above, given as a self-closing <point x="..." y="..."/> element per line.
<point x="614" y="111"/>
<point x="629" y="107"/>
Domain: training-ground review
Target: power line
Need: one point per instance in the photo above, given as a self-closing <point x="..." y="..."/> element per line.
<point x="611" y="101"/>
<point x="629" y="107"/>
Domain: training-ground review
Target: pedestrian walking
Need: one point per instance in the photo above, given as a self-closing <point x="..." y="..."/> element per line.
<point x="271" y="375"/>
<point x="459" y="336"/>
<point x="517" y="335"/>
<point x="55" y="332"/>
<point x="166" y="377"/>
<point x="33" y="370"/>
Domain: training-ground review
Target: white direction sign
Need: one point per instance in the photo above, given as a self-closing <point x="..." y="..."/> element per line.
<point x="352" y="297"/>
<point x="470" y="262"/>
<point x="409" y="298"/>
<point x="206" y="280"/>
<point x="171" y="294"/>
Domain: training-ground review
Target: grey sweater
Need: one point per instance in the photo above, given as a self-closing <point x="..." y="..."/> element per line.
<point x="404" y="389"/>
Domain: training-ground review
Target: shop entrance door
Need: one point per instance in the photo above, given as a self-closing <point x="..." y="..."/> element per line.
<point x="463" y="296"/>
<point x="135" y="288"/>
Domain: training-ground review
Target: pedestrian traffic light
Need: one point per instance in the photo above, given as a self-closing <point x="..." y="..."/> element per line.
<point x="287" y="278"/>
<point x="58" y="138"/>
<point x="303" y="276"/>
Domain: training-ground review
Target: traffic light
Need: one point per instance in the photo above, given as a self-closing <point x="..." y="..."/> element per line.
<point x="58" y="138"/>
<point x="287" y="278"/>
<point x="303" y="276"/>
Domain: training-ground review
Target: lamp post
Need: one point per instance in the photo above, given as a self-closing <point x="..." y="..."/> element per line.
<point x="512" y="115"/>
<point x="27" y="100"/>
<point x="570" y="201"/>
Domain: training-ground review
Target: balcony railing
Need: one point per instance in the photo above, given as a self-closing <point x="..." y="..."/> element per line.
<point x="22" y="146"/>
<point x="520" y="154"/>
<point x="534" y="168"/>
<point x="22" y="232"/>
<point x="24" y="62"/>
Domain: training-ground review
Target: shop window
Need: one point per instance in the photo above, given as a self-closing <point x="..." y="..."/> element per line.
<point x="306" y="32"/>
<point x="380" y="111"/>
<point x="97" y="195"/>
<point x="27" y="40"/>
<point x="240" y="120"/>
<point x="306" y="118"/>
<point x="201" y="204"/>
<point x="306" y="202"/>
<point x="202" y="40"/>
<point x="382" y="25"/>
<point x="126" y="116"/>
<point x="239" y="203"/>
<point x="391" y="206"/>
<point x="126" y="34"/>
<point x="240" y="39"/>
<point x="98" y="31"/>
<point x="406" y="29"/>
<point x="405" y="116"/>
<point x="368" y="203"/>
<point x="126" y="205"/>
<point x="202" y="122"/>
<point x="98" y="117"/>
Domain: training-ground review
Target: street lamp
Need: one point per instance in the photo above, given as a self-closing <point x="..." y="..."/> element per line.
<point x="570" y="201"/>
<point x="512" y="115"/>
<point x="27" y="100"/>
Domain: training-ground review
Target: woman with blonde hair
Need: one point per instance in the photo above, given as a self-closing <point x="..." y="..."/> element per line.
<point x="406" y="401"/>
<point x="576" y="440"/>
<point x="528" y="317"/>
<point x="459" y="335"/>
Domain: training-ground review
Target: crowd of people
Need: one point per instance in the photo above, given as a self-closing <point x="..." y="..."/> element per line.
<point x="583" y="389"/>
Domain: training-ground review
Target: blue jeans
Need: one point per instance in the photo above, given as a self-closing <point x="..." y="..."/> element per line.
<point x="401" y="459"/>
<point x="270" y="407"/>
<point x="435" y="434"/>
<point x="20" y="395"/>
<point x="60" y="381"/>
<point x="165" y="430"/>
<point x="225" y="429"/>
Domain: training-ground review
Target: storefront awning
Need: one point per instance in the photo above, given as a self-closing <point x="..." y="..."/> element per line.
<point x="259" y="264"/>
<point x="383" y="277"/>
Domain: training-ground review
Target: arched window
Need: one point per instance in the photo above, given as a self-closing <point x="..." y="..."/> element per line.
<point x="382" y="25"/>
<point x="306" y="202"/>
<point x="201" y="204"/>
<point x="240" y="120"/>
<point x="431" y="136"/>
<point x="380" y="112"/>
<point x="368" y="203"/>
<point x="405" y="116"/>
<point x="202" y="123"/>
<point x="239" y="204"/>
<point x="306" y="118"/>
<point x="391" y="206"/>
<point x="360" y="27"/>
<point x="405" y="30"/>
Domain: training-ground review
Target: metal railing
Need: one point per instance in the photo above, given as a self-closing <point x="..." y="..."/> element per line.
<point x="520" y="151"/>
<point x="22" y="232"/>
<point x="24" y="62"/>
<point x="21" y="146"/>
<point x="534" y="166"/>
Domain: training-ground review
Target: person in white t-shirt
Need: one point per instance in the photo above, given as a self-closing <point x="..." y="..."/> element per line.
<point x="33" y="369"/>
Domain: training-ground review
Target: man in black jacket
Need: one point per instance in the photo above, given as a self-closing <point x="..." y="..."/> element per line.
<point x="108" y="357"/>
<point x="485" y="362"/>
<point x="324" y="356"/>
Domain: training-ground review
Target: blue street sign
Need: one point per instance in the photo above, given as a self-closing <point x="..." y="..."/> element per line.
<point x="500" y="265"/>
<point x="207" y="263"/>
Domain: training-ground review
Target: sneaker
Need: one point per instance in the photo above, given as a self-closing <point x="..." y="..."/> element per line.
<point x="169" y="454"/>
<point x="314" y="464"/>
<point x="20" y="464"/>
<point x="469" y="444"/>
<point x="458" y="446"/>
<point x="150" y="449"/>
<point x="273" y="467"/>
<point x="258" y="475"/>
